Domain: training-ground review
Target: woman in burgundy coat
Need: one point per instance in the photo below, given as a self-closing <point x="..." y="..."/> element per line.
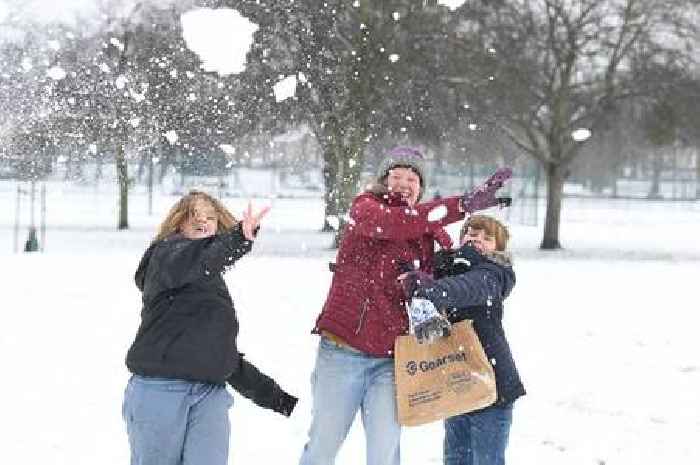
<point x="388" y="232"/>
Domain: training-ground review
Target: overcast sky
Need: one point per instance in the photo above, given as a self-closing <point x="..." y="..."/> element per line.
<point x="47" y="10"/>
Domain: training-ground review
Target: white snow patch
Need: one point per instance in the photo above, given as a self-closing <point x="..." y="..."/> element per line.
<point x="437" y="213"/>
<point x="615" y="332"/>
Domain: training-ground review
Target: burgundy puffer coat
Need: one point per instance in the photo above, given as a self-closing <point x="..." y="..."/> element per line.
<point x="365" y="305"/>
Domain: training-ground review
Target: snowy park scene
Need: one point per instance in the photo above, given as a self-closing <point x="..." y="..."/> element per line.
<point x="112" y="110"/>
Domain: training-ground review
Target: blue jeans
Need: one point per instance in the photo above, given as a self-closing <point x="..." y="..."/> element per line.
<point x="176" y="422"/>
<point x="478" y="438"/>
<point x="343" y="382"/>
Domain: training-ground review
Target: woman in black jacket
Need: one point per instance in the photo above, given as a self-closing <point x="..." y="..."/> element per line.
<point x="472" y="283"/>
<point x="176" y="403"/>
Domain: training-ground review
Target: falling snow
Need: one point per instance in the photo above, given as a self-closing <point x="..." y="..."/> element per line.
<point x="285" y="88"/>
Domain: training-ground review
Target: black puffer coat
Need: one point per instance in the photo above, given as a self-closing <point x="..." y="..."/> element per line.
<point x="473" y="286"/>
<point x="188" y="323"/>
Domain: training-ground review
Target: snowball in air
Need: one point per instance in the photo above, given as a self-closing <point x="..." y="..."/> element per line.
<point x="285" y="88"/>
<point x="221" y="38"/>
<point x="581" y="134"/>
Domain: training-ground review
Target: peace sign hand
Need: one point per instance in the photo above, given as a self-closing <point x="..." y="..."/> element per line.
<point x="251" y="221"/>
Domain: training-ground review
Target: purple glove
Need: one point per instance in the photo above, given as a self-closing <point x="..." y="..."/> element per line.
<point x="413" y="280"/>
<point x="484" y="196"/>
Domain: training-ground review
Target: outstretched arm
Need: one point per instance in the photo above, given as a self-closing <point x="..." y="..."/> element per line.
<point x="371" y="217"/>
<point x="485" y="282"/>
<point x="228" y="247"/>
<point x="261" y="389"/>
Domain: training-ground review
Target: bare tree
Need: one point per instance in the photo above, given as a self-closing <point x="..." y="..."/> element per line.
<point x="556" y="70"/>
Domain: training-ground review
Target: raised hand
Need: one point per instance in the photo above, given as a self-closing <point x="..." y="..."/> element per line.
<point x="251" y="221"/>
<point x="484" y="196"/>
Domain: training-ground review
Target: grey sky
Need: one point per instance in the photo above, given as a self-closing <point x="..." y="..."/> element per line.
<point x="47" y="10"/>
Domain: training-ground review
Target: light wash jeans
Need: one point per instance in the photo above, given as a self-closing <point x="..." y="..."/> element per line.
<point x="176" y="422"/>
<point x="478" y="438"/>
<point x="343" y="382"/>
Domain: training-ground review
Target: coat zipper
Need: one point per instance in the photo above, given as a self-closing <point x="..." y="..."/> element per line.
<point x="362" y="316"/>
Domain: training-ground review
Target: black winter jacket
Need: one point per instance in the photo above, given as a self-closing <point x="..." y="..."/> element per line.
<point x="472" y="286"/>
<point x="188" y="322"/>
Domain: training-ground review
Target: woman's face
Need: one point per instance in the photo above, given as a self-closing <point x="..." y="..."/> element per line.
<point x="480" y="240"/>
<point x="202" y="221"/>
<point x="406" y="182"/>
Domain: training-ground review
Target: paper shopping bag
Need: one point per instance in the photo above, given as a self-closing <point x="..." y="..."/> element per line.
<point x="443" y="379"/>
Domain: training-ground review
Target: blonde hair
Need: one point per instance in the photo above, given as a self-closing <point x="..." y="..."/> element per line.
<point x="490" y="226"/>
<point x="181" y="211"/>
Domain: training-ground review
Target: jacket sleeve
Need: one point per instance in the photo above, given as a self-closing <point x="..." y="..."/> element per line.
<point x="483" y="283"/>
<point x="178" y="262"/>
<point x="261" y="389"/>
<point x="372" y="218"/>
<point x="140" y="275"/>
<point x="225" y="249"/>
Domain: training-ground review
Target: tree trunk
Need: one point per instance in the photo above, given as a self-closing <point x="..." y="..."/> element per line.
<point x="150" y="153"/>
<point x="555" y="190"/>
<point x="656" y="168"/>
<point x="98" y="168"/>
<point x="347" y="185"/>
<point x="330" y="188"/>
<point x="697" y="174"/>
<point x="123" y="182"/>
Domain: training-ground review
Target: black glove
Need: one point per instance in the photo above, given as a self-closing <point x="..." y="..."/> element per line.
<point x="285" y="403"/>
<point x="260" y="388"/>
<point x="413" y="280"/>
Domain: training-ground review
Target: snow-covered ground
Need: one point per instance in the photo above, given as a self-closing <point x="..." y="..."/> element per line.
<point x="604" y="332"/>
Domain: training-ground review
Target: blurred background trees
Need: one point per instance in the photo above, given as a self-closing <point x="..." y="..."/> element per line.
<point x="591" y="94"/>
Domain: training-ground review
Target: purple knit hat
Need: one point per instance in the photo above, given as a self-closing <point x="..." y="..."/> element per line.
<point x="404" y="156"/>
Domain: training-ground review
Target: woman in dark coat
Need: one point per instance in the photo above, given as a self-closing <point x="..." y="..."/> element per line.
<point x="176" y="403"/>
